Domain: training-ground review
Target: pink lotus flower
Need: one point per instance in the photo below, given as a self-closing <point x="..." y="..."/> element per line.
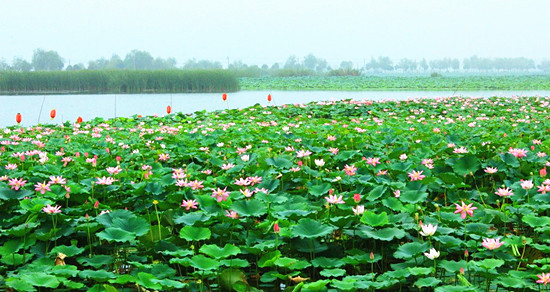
<point x="247" y="193"/>
<point x="416" y="175"/>
<point x="57" y="180"/>
<point x="51" y="210"/>
<point x="461" y="149"/>
<point x="373" y="161"/>
<point x="527" y="184"/>
<point x="242" y="182"/>
<point x="397" y="193"/>
<point x="334" y="199"/>
<point x="195" y="185"/>
<point x="105" y="181"/>
<point x="517" y="152"/>
<point x="188" y="204"/>
<point x="42" y="187"/>
<point x="254" y="180"/>
<point x="227" y="166"/>
<point x="544" y="188"/>
<point x="276" y="228"/>
<point x="231" y="214"/>
<point x="491" y="243"/>
<point x="113" y="170"/>
<point x="16" y="184"/>
<point x="504" y="192"/>
<point x="491" y="170"/>
<point x="358" y="210"/>
<point x="428" y="230"/>
<point x="220" y="195"/>
<point x="543" y="278"/>
<point x="350" y="169"/>
<point x="357" y="198"/>
<point x="465" y="210"/>
<point x="164" y="156"/>
<point x="334" y="151"/>
<point x="303" y="153"/>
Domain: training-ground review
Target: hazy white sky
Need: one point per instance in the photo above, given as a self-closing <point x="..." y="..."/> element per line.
<point x="259" y="31"/>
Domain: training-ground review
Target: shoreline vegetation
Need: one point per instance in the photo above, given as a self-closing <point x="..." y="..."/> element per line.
<point x="199" y="81"/>
<point x="117" y="81"/>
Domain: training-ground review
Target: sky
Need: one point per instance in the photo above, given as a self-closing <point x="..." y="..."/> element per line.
<point x="264" y="32"/>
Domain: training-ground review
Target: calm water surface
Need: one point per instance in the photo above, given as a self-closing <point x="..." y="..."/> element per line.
<point x="70" y="107"/>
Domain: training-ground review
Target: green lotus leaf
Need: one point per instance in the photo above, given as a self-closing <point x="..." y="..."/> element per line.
<point x="9" y="194"/>
<point x="324" y="262"/>
<point x="452" y="266"/>
<point x="415" y="271"/>
<point x="489" y="264"/>
<point x="376" y="193"/>
<point x="96" y="261"/>
<point x="168" y="283"/>
<point x="148" y="280"/>
<point x="116" y="234"/>
<point x="280" y="162"/>
<point x="68" y="250"/>
<point x="309" y="228"/>
<point x="413" y="196"/>
<point x="219" y="252"/>
<point x="409" y="250"/>
<point x="344" y="285"/>
<point x="126" y="221"/>
<point x="19" y="284"/>
<point x="427" y="282"/>
<point x="512" y="282"/>
<point x="100" y="275"/>
<point x="385" y="234"/>
<point x="65" y="271"/>
<point x="464" y="165"/>
<point x="191" y="218"/>
<point x="247" y="208"/>
<point x="235" y="263"/>
<point x="536" y="221"/>
<point x="510" y="160"/>
<point x="291" y="263"/>
<point x="203" y="263"/>
<point x="372" y="219"/>
<point x="315" y="286"/>
<point x="10" y="247"/>
<point x="332" y="273"/>
<point x="268" y="259"/>
<point x="191" y="233"/>
<point x="318" y="190"/>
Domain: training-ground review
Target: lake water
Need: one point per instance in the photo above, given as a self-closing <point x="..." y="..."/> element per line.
<point x="70" y="107"/>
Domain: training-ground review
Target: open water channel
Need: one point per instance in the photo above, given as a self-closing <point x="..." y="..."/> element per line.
<point x="36" y="109"/>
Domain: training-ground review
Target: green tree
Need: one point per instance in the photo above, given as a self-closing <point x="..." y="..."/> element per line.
<point x="46" y="60"/>
<point x="21" y="65"/>
<point x="139" y="60"/>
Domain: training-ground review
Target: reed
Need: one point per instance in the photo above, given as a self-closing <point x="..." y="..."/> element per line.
<point x="117" y="81"/>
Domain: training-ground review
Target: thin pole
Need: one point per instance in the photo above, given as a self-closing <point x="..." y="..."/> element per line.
<point x="40" y="113"/>
<point x="115" y="105"/>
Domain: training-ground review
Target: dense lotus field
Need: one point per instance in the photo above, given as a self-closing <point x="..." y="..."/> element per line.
<point x="453" y="83"/>
<point x="447" y="193"/>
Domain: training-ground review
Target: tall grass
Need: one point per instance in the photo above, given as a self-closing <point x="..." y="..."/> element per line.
<point x="117" y="81"/>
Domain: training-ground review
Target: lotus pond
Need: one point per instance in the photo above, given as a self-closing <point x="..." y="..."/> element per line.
<point x="447" y="194"/>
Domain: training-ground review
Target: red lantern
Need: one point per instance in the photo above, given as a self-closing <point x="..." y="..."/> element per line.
<point x="269" y="97"/>
<point x="52" y="114"/>
<point x="18" y="118"/>
<point x="224" y="96"/>
<point x="168" y="109"/>
<point x="79" y="120"/>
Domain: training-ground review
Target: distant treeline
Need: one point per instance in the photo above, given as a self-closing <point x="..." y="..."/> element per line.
<point x="309" y="65"/>
<point x="117" y="81"/>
